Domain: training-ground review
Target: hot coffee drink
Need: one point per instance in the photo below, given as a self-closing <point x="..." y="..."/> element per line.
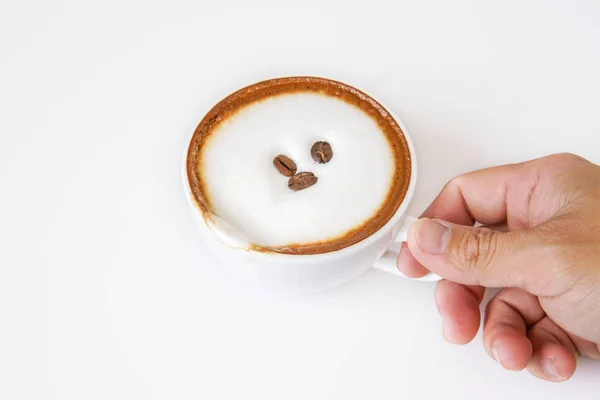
<point x="299" y="165"/>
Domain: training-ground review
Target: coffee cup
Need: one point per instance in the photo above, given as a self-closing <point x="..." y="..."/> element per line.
<point x="321" y="264"/>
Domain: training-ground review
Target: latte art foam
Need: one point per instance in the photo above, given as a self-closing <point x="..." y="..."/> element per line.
<point x="357" y="191"/>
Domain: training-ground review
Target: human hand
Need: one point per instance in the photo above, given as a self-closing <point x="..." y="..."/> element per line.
<point x="541" y="243"/>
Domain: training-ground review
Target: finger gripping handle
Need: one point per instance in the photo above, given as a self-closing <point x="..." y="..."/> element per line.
<point x="387" y="263"/>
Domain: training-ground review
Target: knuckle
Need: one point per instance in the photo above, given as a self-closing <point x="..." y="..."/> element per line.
<point x="476" y="250"/>
<point x="566" y="159"/>
<point x="455" y="182"/>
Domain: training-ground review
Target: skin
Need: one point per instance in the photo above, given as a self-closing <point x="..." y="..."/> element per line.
<point x="540" y="242"/>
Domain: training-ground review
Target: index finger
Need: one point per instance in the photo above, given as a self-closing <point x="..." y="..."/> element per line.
<point x="490" y="196"/>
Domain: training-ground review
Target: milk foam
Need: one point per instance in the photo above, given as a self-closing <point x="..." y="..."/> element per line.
<point x="247" y="192"/>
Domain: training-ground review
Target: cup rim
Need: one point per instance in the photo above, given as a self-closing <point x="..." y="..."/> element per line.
<point x="400" y="212"/>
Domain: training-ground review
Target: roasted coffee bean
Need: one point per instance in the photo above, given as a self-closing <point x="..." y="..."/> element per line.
<point x="321" y="152"/>
<point x="284" y="165"/>
<point x="302" y="180"/>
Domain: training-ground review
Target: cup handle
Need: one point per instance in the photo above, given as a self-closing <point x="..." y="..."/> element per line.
<point x="387" y="263"/>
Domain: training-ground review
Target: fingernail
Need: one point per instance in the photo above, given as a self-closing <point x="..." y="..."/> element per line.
<point x="496" y="353"/>
<point x="402" y="257"/>
<point x="549" y="367"/>
<point x="444" y="334"/>
<point x="432" y="236"/>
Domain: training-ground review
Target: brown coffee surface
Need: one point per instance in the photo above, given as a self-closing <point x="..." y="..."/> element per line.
<point x="265" y="89"/>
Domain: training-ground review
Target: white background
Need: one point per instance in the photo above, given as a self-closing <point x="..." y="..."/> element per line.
<point x="106" y="291"/>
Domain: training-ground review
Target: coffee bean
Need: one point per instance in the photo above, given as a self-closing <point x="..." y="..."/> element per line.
<point x="284" y="165"/>
<point x="302" y="180"/>
<point x="321" y="152"/>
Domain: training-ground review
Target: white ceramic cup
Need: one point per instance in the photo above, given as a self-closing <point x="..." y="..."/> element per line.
<point x="308" y="273"/>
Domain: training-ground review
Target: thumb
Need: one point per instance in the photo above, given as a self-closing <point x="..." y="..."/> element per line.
<point x="477" y="256"/>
